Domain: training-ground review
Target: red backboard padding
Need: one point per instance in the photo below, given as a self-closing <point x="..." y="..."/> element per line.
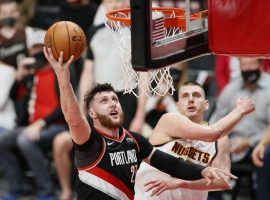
<point x="239" y="27"/>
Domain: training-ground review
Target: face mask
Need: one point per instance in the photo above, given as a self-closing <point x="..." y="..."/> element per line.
<point x="9" y="21"/>
<point x="251" y="76"/>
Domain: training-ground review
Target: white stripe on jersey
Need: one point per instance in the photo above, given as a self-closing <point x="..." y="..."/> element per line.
<point x="102" y="185"/>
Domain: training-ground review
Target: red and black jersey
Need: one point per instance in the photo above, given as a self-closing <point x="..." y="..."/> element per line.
<point x="107" y="167"/>
<point x="14" y="48"/>
<point x="44" y="95"/>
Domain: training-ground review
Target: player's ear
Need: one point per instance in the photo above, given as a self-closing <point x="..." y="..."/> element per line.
<point x="92" y="113"/>
<point x="206" y="104"/>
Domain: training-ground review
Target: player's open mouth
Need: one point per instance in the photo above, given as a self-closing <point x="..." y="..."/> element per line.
<point x="191" y="109"/>
<point x="114" y="113"/>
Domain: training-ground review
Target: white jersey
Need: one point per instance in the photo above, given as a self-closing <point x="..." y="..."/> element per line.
<point x="198" y="152"/>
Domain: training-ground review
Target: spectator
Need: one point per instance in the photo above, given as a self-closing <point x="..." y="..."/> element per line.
<point x="256" y="84"/>
<point x="261" y="158"/>
<point x="45" y="120"/>
<point x="228" y="68"/>
<point x="12" y="34"/>
<point x="62" y="148"/>
<point x="15" y="40"/>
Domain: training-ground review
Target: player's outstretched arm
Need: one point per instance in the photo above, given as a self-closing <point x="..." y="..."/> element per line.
<point x="79" y="128"/>
<point x="158" y="186"/>
<point x="178" y="125"/>
<point x="179" y="168"/>
<point x="244" y="106"/>
<point x="221" y="161"/>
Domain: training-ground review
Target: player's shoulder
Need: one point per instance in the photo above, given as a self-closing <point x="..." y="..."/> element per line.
<point x="169" y="116"/>
<point x="134" y="134"/>
<point x="137" y="136"/>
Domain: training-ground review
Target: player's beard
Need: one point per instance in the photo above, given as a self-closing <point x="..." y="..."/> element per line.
<point x="108" y="122"/>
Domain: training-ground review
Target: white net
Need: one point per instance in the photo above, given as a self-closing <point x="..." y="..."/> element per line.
<point x="153" y="82"/>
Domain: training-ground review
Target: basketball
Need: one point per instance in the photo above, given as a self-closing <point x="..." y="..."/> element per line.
<point x="65" y="36"/>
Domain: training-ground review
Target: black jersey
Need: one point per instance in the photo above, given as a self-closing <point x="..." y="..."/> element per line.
<point x="107" y="167"/>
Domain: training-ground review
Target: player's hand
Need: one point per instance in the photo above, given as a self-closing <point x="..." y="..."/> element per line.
<point x="22" y="70"/>
<point x="32" y="131"/>
<point x="245" y="105"/>
<point x="159" y="186"/>
<point x="258" y="154"/>
<point x="211" y="174"/>
<point x="58" y="65"/>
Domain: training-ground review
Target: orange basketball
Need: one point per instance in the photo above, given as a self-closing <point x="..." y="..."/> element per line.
<point x="65" y="36"/>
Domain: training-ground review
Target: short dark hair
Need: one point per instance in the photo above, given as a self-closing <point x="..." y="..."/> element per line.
<point x="105" y="87"/>
<point x="194" y="83"/>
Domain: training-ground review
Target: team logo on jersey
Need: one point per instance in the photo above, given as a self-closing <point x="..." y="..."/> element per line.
<point x="129" y="141"/>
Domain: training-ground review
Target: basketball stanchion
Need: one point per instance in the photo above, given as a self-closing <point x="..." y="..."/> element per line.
<point x="168" y="23"/>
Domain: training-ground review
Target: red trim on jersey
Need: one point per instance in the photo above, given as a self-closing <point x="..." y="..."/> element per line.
<point x="97" y="160"/>
<point x="112" y="138"/>
<point x="134" y="140"/>
<point x="104" y="175"/>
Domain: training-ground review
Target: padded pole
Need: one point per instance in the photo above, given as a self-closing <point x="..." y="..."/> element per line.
<point x="187" y="15"/>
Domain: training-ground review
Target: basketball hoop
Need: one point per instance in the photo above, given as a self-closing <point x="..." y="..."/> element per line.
<point x="167" y="23"/>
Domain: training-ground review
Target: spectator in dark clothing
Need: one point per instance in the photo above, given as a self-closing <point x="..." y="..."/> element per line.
<point x="44" y="120"/>
<point x="80" y="12"/>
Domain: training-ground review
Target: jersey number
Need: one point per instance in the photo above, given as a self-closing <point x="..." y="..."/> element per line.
<point x="133" y="170"/>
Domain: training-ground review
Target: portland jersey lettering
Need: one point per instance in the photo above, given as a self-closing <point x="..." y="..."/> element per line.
<point x="122" y="157"/>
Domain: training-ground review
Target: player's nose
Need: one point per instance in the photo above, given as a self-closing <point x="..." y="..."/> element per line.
<point x="112" y="103"/>
<point x="190" y="99"/>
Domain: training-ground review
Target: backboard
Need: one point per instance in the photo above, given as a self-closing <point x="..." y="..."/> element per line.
<point x="239" y="27"/>
<point x="151" y="48"/>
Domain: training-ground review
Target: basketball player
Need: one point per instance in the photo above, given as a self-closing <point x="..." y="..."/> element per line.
<point x="172" y="136"/>
<point x="107" y="156"/>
